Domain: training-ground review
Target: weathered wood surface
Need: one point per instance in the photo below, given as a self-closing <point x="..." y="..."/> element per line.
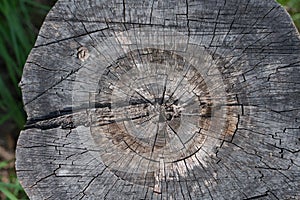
<point x="162" y="100"/>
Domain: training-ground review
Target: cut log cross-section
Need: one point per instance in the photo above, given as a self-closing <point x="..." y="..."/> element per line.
<point x="162" y="100"/>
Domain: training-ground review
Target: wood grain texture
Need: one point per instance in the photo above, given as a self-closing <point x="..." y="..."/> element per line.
<point x="162" y="100"/>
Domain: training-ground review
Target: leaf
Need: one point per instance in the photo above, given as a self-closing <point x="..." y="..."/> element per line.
<point x="3" y="164"/>
<point x="296" y="17"/>
<point x="10" y="185"/>
<point x="8" y="194"/>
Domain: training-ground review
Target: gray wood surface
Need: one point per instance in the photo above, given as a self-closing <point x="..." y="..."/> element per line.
<point x="162" y="99"/>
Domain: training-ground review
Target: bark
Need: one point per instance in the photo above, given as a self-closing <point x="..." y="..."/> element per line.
<point x="162" y="100"/>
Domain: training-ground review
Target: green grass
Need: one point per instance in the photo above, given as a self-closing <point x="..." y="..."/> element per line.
<point x="11" y="189"/>
<point x="293" y="7"/>
<point x="19" y="22"/>
<point x="16" y="40"/>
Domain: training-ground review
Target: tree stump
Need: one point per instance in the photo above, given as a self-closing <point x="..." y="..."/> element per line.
<point x="162" y="100"/>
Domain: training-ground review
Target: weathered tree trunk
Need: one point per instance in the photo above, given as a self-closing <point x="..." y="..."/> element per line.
<point x="162" y="100"/>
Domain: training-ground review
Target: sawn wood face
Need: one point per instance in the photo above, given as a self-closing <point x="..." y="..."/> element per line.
<point x="162" y="100"/>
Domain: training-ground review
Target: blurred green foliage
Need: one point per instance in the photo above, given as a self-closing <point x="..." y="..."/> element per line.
<point x="16" y="40"/>
<point x="293" y="7"/>
<point x="11" y="189"/>
<point x="19" y="23"/>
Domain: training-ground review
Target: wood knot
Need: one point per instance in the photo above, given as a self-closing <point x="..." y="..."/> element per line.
<point x="82" y="53"/>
